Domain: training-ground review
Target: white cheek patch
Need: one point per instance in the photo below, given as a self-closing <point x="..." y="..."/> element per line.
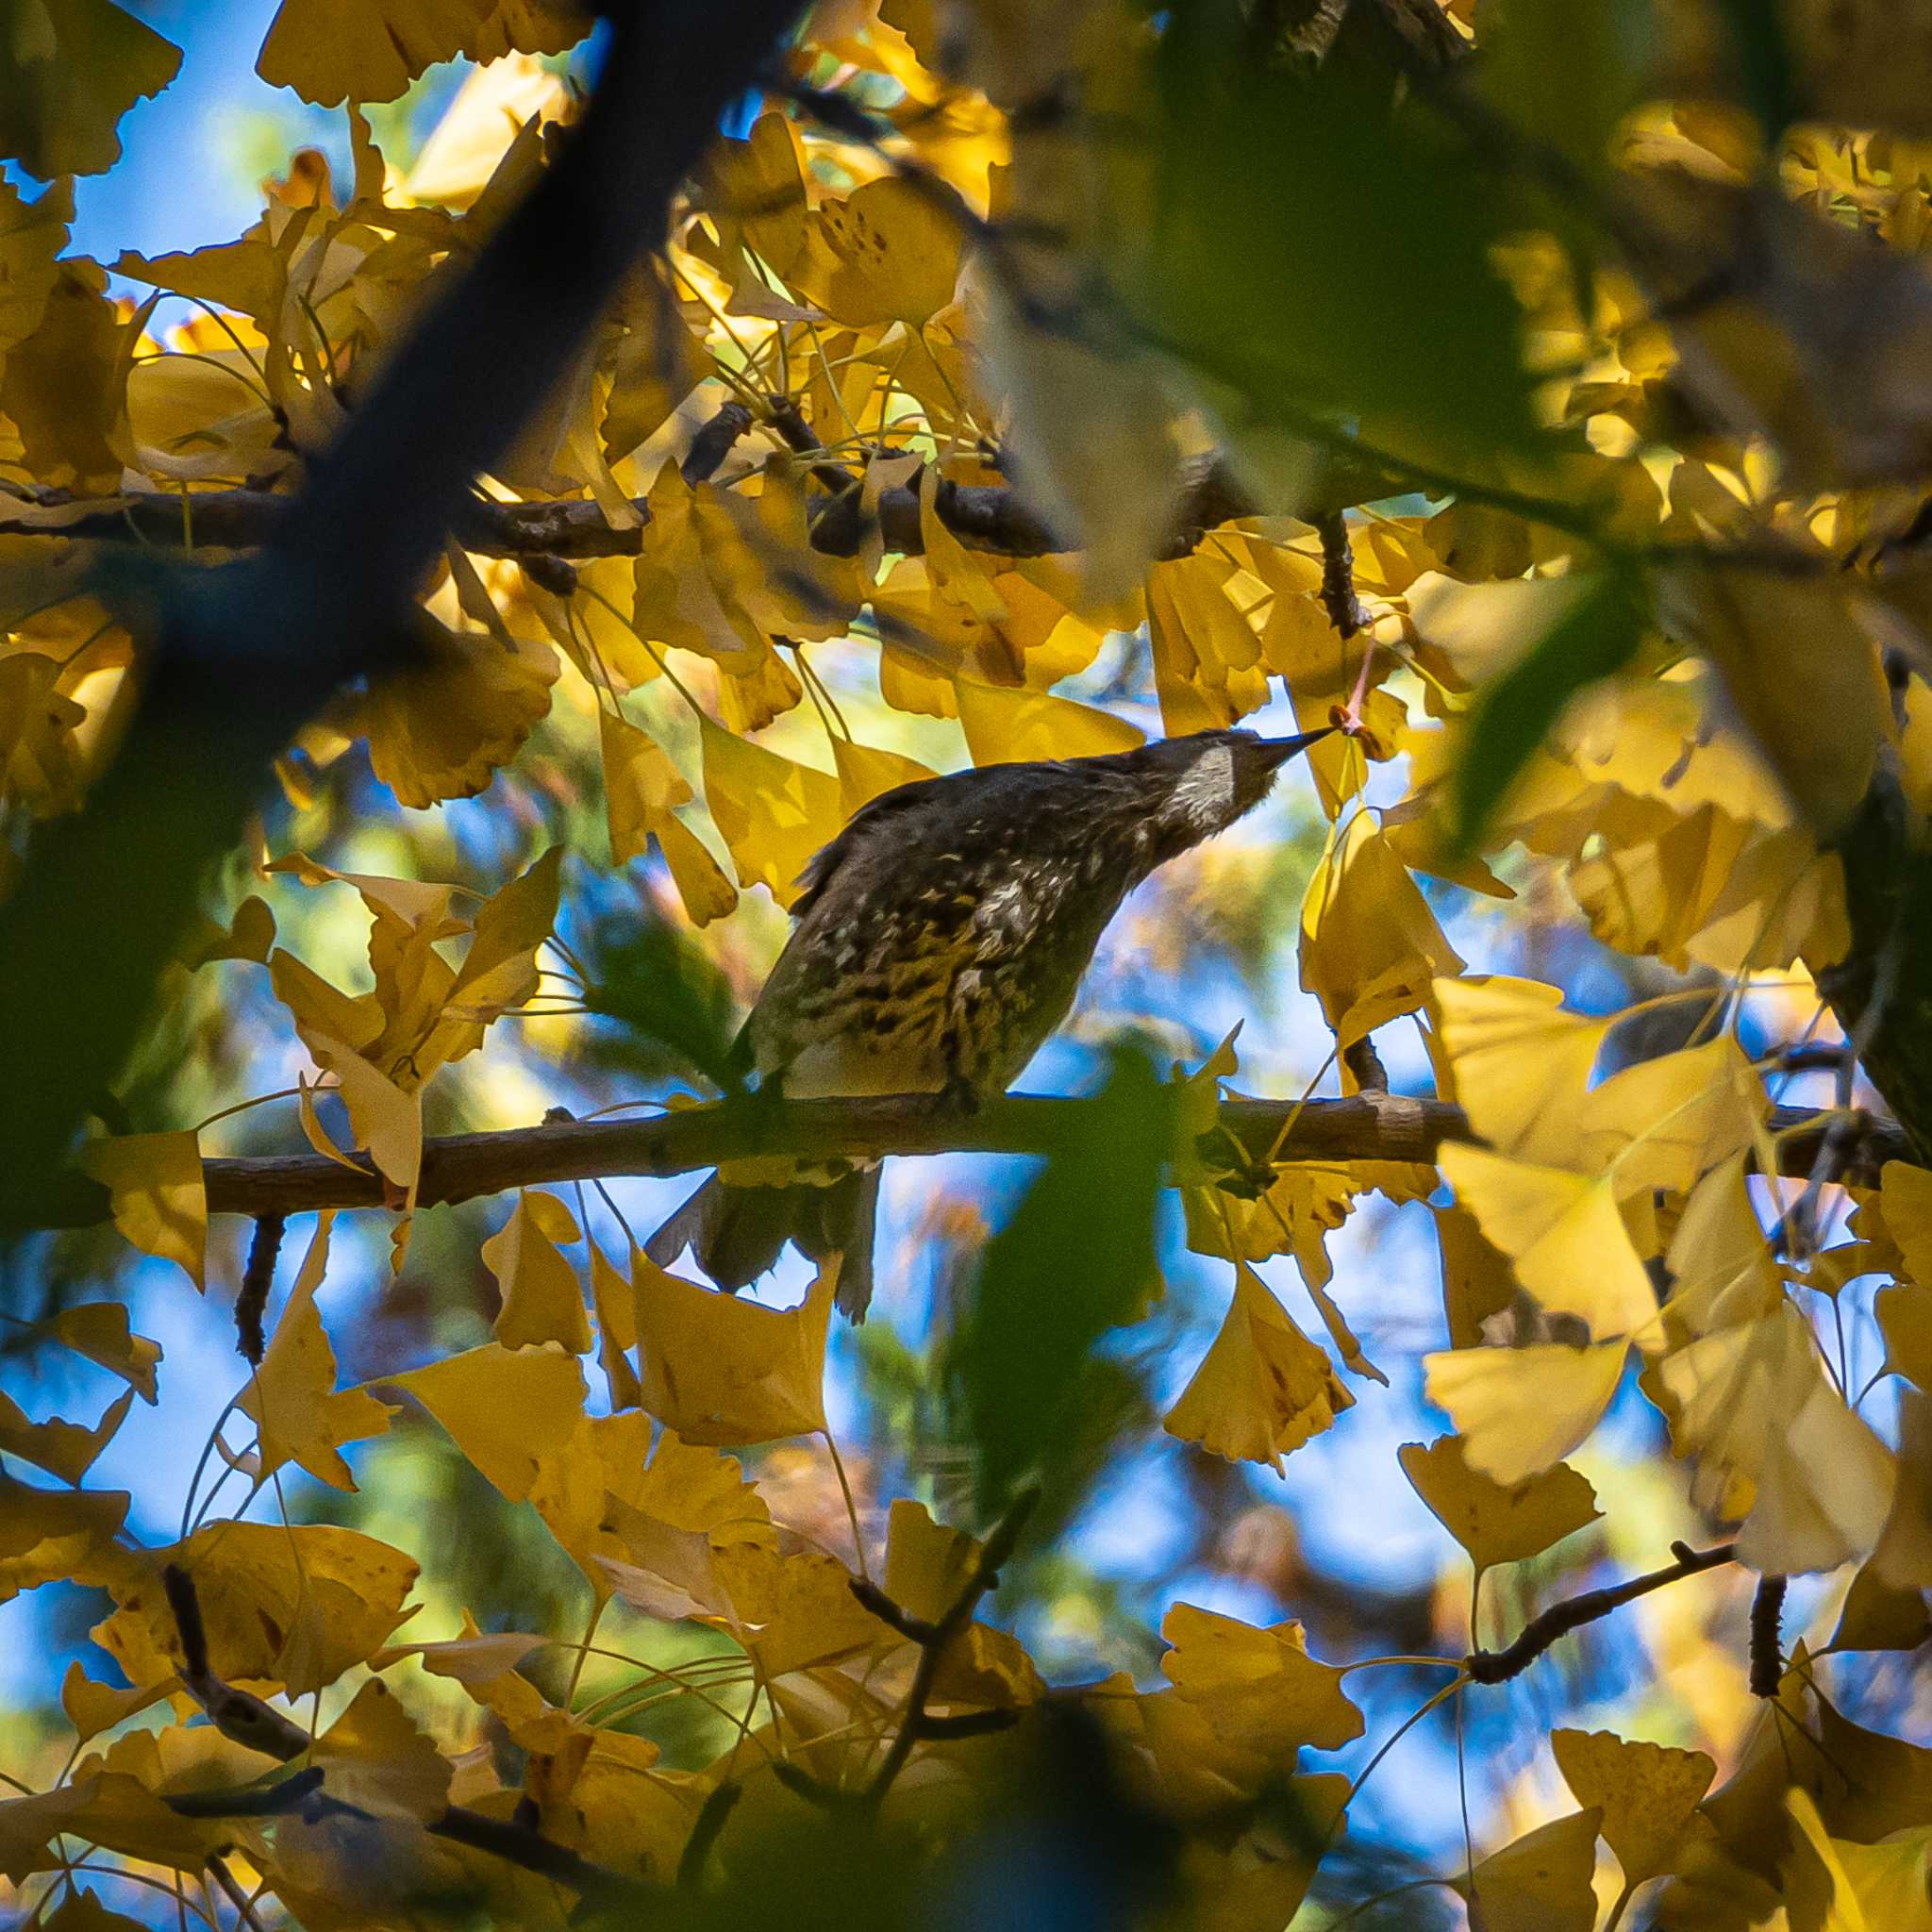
<point x="1206" y="796"/>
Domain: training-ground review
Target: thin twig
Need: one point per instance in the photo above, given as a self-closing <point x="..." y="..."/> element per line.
<point x="1542" y="1632"/>
<point x="235" y="1896"/>
<point x="247" y="1720"/>
<point x="934" y="1640"/>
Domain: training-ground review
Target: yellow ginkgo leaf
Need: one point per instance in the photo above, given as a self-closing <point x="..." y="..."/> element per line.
<point x="295" y="1604"/>
<point x="1753" y="1405"/>
<point x="927" y="1566"/>
<point x="889" y="252"/>
<point x="773" y="813"/>
<point x="956" y="574"/>
<point x="1858" y="1887"/>
<point x="641" y="791"/>
<point x="443" y="725"/>
<point x="125" y="1807"/>
<point x="1665" y="1120"/>
<point x="794" y="1609"/>
<point x="1006" y="725"/>
<point x="99" y="1331"/>
<point x="300" y="1414"/>
<point x="1518" y="1410"/>
<point x="694" y="1487"/>
<point x="1905" y="1319"/>
<point x="386" y="1117"/>
<point x="1208" y="668"/>
<point x="1260" y="1689"/>
<point x="51" y="1533"/>
<point x="1906" y="1199"/>
<point x="1263" y="1389"/>
<point x="1477" y="1279"/>
<point x="503" y="1409"/>
<point x="93" y="1707"/>
<point x="376" y="1758"/>
<point x="543" y="1299"/>
<point x="1542" y="1883"/>
<point x="499" y="970"/>
<point x="474" y="1658"/>
<point x="1563" y="1233"/>
<point x="641" y="786"/>
<point x="723" y="1371"/>
<point x="1371" y="947"/>
<point x="1496" y="1522"/>
<point x="63" y="1448"/>
<point x="1720" y="1266"/>
<point x="1519" y="1062"/>
<point x="578" y="1484"/>
<point x="65" y="385"/>
<point x="1648" y="1794"/>
<point x="250" y="935"/>
<point x="363" y="50"/>
<point x="865" y="772"/>
<point x="32" y="235"/>
<point x="159" y="1203"/>
<point x="757" y="190"/>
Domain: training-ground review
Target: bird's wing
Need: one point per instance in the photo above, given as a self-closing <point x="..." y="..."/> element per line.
<point x="860" y="831"/>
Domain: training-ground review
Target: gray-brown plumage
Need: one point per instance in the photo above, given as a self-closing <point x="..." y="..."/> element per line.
<point x="939" y="938"/>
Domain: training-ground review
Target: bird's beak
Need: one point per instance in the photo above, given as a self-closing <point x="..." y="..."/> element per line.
<point x="1277" y="751"/>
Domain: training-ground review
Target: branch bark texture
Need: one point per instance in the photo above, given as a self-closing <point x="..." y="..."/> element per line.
<point x="461" y="1167"/>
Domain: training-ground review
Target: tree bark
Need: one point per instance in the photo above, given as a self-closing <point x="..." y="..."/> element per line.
<point x="461" y="1167"/>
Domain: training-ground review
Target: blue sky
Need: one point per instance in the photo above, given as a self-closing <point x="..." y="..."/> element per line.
<point x="192" y="158"/>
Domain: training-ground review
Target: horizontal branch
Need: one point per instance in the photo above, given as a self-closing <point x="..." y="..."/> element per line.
<point x="994" y="518"/>
<point x="461" y="1167"/>
<point x="246" y="519"/>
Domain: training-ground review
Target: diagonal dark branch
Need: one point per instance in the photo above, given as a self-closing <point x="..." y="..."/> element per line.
<point x="243" y="654"/>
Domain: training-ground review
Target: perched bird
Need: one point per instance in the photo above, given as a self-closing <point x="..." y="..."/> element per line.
<point x="940" y="938"/>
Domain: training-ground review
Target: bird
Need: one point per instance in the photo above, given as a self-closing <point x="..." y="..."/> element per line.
<point x="937" y="942"/>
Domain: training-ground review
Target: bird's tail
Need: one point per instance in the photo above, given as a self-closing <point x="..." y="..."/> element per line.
<point x="738" y="1233"/>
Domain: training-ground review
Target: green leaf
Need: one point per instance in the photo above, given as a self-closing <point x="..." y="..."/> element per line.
<point x="1321" y="251"/>
<point x="1593" y="640"/>
<point x="660" y="987"/>
<point x="1566" y="74"/>
<point x="1075" y="1259"/>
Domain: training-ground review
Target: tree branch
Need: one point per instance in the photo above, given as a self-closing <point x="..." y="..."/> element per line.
<point x="461" y="1167"/>
<point x="246" y="1719"/>
<point x="994" y="518"/>
<point x="1542" y="1632"/>
<point x="933" y="1640"/>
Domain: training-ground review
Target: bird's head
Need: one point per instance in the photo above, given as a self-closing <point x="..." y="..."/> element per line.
<point x="1204" y="782"/>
